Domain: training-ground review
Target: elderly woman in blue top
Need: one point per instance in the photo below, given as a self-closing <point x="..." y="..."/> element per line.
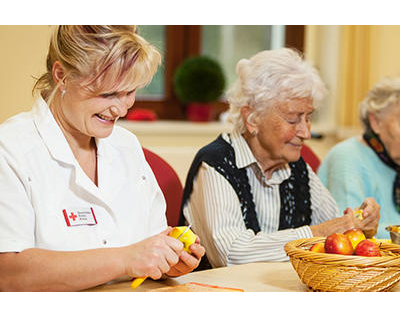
<point x="369" y="165"/>
<point x="249" y="192"/>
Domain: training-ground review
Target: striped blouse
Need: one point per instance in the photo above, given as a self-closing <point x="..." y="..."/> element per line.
<point x="215" y="214"/>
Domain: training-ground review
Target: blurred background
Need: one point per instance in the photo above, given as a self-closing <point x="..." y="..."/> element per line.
<point x="350" y="59"/>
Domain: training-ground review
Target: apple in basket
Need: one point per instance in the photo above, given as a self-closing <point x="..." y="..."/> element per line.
<point x="339" y="244"/>
<point x="355" y="235"/>
<point x="318" y="247"/>
<point x="367" y="248"/>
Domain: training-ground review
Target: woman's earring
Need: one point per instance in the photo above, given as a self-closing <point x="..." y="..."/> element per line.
<point x="254" y="133"/>
<point x="63" y="92"/>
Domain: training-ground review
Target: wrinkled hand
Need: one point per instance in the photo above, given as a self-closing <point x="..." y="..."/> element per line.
<point x="371" y="214"/>
<point x="188" y="262"/>
<point x="152" y="257"/>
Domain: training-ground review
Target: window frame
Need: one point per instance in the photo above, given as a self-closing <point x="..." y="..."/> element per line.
<point x="183" y="41"/>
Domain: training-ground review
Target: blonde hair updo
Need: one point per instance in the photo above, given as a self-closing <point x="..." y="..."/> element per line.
<point x="103" y="58"/>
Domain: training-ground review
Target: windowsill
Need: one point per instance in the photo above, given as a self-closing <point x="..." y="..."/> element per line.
<point x="182" y="128"/>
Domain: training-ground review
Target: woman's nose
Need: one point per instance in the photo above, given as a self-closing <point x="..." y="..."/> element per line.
<point x="304" y="129"/>
<point x="123" y="104"/>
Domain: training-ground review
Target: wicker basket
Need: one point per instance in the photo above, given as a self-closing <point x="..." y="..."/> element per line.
<point x="340" y="273"/>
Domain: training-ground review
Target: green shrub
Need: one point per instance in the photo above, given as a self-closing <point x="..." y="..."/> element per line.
<point x="199" y="79"/>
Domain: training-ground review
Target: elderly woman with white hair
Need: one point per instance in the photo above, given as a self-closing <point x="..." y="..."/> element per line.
<point x="249" y="192"/>
<point x="369" y="165"/>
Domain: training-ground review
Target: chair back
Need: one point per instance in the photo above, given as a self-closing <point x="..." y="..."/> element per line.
<point x="310" y="157"/>
<point x="169" y="184"/>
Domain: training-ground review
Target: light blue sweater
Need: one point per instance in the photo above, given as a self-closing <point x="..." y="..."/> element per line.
<point x="352" y="172"/>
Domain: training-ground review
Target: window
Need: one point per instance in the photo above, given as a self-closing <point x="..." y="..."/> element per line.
<point x="225" y="43"/>
<point x="230" y="43"/>
<point x="155" y="34"/>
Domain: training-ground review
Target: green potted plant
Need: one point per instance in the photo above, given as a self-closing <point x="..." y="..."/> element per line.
<point x="198" y="82"/>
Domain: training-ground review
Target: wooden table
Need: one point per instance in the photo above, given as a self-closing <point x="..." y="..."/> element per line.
<point x="251" y="277"/>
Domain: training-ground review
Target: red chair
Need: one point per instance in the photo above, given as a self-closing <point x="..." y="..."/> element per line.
<point x="169" y="184"/>
<point x="310" y="157"/>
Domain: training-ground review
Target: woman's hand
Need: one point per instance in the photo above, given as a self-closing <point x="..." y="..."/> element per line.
<point x="152" y="257"/>
<point x="371" y="216"/>
<point x="188" y="262"/>
<point x="369" y="225"/>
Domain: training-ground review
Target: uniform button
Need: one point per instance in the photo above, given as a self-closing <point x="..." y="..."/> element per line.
<point x="104" y="242"/>
<point x="143" y="178"/>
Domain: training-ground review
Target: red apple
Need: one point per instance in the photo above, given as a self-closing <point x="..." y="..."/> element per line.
<point x="318" y="247"/>
<point x="339" y="244"/>
<point x="355" y="235"/>
<point x="367" y="248"/>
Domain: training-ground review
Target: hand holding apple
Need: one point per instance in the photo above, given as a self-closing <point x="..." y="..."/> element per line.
<point x="187" y="238"/>
<point x="190" y="258"/>
<point x="371" y="214"/>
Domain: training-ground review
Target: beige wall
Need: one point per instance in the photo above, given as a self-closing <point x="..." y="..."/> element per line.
<point x="22" y="55"/>
<point x="385" y="52"/>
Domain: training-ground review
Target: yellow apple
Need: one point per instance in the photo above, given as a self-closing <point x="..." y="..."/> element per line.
<point x="355" y="235"/>
<point x="318" y="247"/>
<point x="187" y="238"/>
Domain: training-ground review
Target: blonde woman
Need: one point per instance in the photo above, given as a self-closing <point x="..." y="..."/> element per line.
<point x="80" y="204"/>
<point x="249" y="192"/>
<point x="369" y="165"/>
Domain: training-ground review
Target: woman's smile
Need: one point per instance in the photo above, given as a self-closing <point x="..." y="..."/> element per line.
<point x="105" y="119"/>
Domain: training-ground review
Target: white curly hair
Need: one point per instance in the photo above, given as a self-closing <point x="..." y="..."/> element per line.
<point x="383" y="95"/>
<point x="270" y="77"/>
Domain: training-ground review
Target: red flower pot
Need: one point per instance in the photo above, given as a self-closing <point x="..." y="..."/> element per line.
<point x="199" y="112"/>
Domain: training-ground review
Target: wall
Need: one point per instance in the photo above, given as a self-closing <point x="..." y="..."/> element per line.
<point x="322" y="50"/>
<point x="385" y="52"/>
<point x="22" y="55"/>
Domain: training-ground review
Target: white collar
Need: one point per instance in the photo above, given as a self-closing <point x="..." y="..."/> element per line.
<point x="54" y="138"/>
<point x="51" y="133"/>
<point x="245" y="158"/>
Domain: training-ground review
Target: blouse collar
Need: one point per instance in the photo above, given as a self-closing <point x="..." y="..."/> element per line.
<point x="245" y="158"/>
